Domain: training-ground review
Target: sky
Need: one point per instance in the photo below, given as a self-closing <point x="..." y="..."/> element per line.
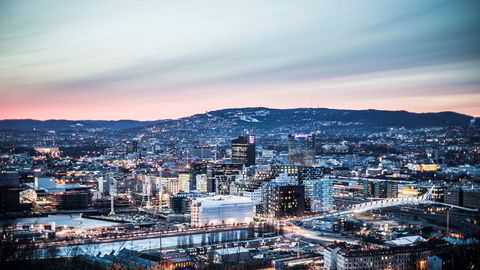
<point x="149" y="60"/>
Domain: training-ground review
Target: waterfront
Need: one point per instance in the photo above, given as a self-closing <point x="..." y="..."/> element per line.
<point x="156" y="243"/>
<point x="62" y="220"/>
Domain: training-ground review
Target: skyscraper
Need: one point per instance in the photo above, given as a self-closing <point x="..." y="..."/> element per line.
<point x="243" y="150"/>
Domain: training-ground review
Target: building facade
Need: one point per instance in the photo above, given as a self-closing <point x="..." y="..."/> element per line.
<point x="286" y="201"/>
<point x="318" y="195"/>
<point x="399" y="258"/>
<point x="301" y="149"/>
<point x="243" y="150"/>
<point x="380" y="189"/>
<point x="221" y="210"/>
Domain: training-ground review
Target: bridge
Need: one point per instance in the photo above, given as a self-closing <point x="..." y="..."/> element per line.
<point x="362" y="207"/>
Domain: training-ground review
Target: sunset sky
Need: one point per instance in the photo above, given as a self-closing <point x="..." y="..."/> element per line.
<point x="150" y="60"/>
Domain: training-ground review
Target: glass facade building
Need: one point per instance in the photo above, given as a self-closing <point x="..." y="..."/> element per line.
<point x="318" y="193"/>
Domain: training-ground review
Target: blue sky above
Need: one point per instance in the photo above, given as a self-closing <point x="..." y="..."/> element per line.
<point x="166" y="59"/>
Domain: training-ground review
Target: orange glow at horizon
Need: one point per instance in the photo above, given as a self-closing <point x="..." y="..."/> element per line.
<point x="155" y="108"/>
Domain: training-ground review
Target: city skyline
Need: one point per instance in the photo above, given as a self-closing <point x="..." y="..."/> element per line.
<point x="276" y="134"/>
<point x="161" y="60"/>
<point x="221" y="109"/>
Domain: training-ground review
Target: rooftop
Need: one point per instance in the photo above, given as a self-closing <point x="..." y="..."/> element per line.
<point x="232" y="250"/>
<point x="404" y="241"/>
<point x="424" y="246"/>
<point x="218" y="200"/>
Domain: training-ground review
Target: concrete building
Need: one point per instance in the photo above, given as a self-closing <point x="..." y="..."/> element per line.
<point x="331" y="224"/>
<point x="309" y="173"/>
<point x="148" y="185"/>
<point x="330" y="255"/>
<point x="132" y="147"/>
<point x="171" y="185"/>
<point x="386" y="189"/>
<point x="201" y="183"/>
<point x="221" y="210"/>
<point x="400" y="258"/>
<point x="184" y="181"/>
<point x="100" y="187"/>
<point x="369" y="172"/>
<point x="231" y="255"/>
<point x="439" y="262"/>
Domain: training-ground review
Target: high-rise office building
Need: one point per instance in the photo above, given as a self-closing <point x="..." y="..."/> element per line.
<point x="220" y="176"/>
<point x="301" y="149"/>
<point x="184" y="181"/>
<point x="197" y="168"/>
<point x="380" y="189"/>
<point x="471" y="198"/>
<point x="386" y="189"/>
<point x="243" y="150"/>
<point x="201" y="183"/>
<point x="261" y="192"/>
<point x="465" y="197"/>
<point x="454" y="196"/>
<point x="318" y="195"/>
<point x="286" y="201"/>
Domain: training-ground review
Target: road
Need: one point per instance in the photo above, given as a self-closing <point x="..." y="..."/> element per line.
<point x="313" y="235"/>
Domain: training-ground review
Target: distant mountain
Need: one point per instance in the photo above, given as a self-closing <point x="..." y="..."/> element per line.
<point x="230" y="122"/>
<point x="261" y="118"/>
<point x="29" y="124"/>
<point x="265" y="116"/>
